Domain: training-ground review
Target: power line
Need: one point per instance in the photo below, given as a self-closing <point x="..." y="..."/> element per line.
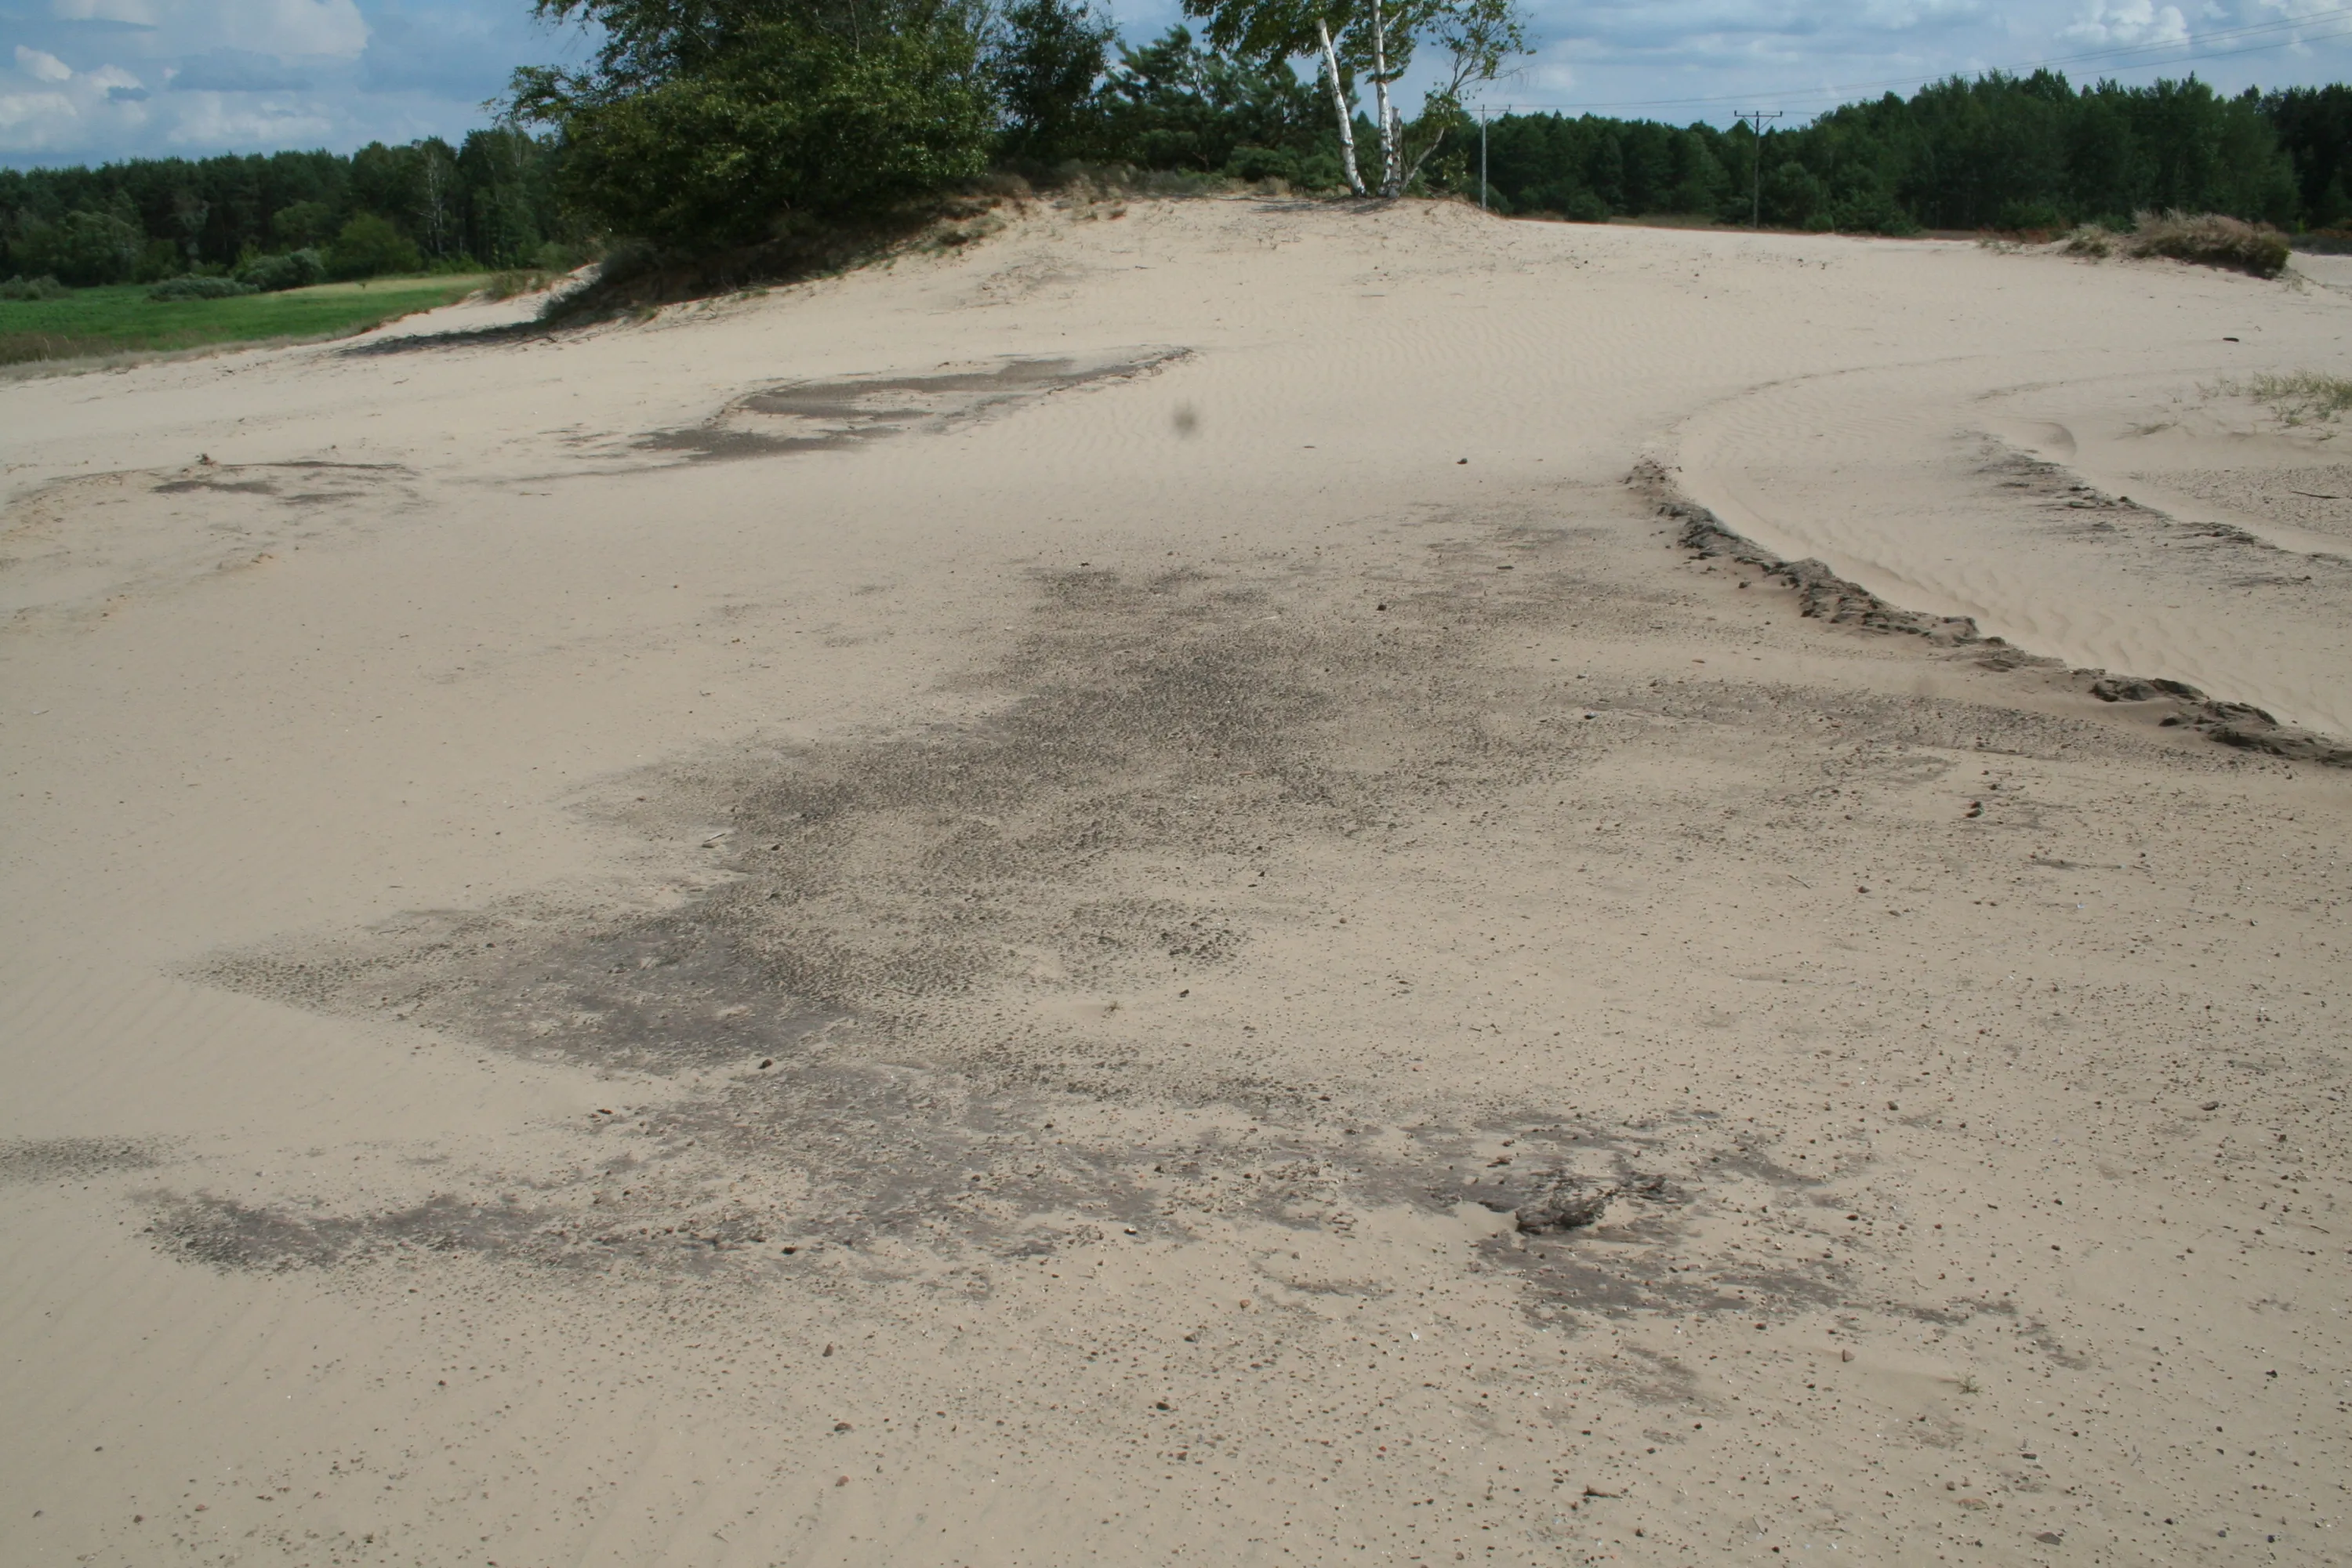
<point x="2195" y="50"/>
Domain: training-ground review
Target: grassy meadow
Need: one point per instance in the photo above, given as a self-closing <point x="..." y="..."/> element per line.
<point x="121" y="317"/>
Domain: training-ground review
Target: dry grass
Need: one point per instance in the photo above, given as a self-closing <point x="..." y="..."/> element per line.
<point x="2298" y="398"/>
<point x="2208" y="239"/>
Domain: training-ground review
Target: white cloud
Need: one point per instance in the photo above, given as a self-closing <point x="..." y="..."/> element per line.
<point x="221" y="119"/>
<point x="42" y="67"/>
<point x="134" y="13"/>
<point x="291" y="27"/>
<point x="2128" y="22"/>
<point x="32" y="119"/>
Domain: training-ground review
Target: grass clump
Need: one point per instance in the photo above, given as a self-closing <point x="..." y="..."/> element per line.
<point x="173" y="290"/>
<point x="44" y="287"/>
<point x="2298" y="398"/>
<point x="2208" y="239"/>
<point x="123" y="319"/>
<point x="518" y="280"/>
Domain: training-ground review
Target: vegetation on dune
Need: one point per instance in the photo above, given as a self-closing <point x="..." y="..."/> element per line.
<point x="707" y="125"/>
<point x="128" y="317"/>
<point x="2208" y="239"/>
<point x="2299" y="397"/>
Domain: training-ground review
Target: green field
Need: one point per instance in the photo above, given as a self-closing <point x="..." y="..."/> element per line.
<point x="116" y="320"/>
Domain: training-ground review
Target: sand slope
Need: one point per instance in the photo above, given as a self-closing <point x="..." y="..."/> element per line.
<point x="938" y="917"/>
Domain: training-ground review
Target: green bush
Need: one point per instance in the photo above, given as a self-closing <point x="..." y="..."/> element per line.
<point x="1264" y="163"/>
<point x="295" y="270"/>
<point x="790" y="123"/>
<point x="369" y="247"/>
<point x="42" y="287"/>
<point x="193" y="287"/>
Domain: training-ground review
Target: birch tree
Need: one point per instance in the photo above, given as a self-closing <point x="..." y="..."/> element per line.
<point x="1375" y="41"/>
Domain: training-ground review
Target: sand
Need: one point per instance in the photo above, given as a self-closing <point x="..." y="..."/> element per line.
<point x="947" y="917"/>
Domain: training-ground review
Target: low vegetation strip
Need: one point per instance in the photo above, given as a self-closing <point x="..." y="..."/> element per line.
<point x="126" y="318"/>
<point x="2210" y="239"/>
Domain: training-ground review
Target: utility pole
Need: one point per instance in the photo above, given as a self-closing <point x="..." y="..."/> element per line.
<point x="1756" y="164"/>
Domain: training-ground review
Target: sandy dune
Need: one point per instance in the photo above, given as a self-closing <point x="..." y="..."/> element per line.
<point x="971" y="914"/>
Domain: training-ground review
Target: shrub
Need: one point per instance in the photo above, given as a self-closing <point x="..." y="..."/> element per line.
<point x="295" y="270"/>
<point x="369" y="246"/>
<point x="2210" y="240"/>
<point x="506" y="285"/>
<point x="42" y="287"/>
<point x="193" y="287"/>
<point x="2092" y="240"/>
<point x="790" y="123"/>
<point x="1263" y="164"/>
<point x="557" y="256"/>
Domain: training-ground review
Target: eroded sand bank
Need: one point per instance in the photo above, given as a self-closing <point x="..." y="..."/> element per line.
<point x="937" y="919"/>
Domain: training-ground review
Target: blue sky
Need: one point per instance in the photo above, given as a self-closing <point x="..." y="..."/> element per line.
<point x="84" y="80"/>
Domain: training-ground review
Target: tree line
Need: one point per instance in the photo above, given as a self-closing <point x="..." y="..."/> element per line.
<point x="700" y="125"/>
<point x="1997" y="152"/>
<point x="491" y="201"/>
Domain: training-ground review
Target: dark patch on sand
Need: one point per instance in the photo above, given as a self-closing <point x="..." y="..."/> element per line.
<point x="890" y="1010"/>
<point x="260" y="479"/>
<point x="75" y="1159"/>
<point x="826" y="416"/>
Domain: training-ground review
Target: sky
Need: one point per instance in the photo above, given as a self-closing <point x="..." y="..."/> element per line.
<point x="91" y="81"/>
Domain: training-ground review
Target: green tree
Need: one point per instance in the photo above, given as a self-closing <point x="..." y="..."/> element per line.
<point x="1377" y="39"/>
<point x="370" y="246"/>
<point x="299" y="224"/>
<point x="84" y="248"/>
<point x="1045" y="63"/>
<point x="704" y="123"/>
<point x="1172" y="105"/>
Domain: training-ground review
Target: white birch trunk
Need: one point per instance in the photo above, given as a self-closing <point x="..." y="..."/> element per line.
<point x="1388" y="150"/>
<point x="1339" y="106"/>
